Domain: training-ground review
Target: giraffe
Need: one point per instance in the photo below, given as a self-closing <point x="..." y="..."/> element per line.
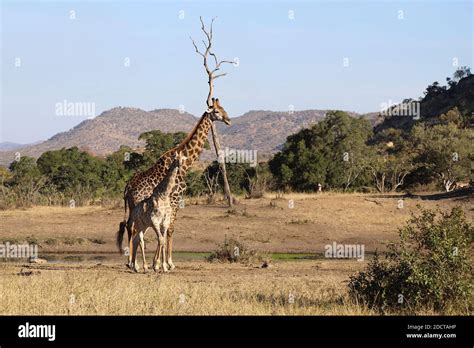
<point x="155" y="212"/>
<point x="142" y="184"/>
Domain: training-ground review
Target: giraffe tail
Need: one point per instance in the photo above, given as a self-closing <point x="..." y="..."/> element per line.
<point x="122" y="227"/>
<point x="120" y="234"/>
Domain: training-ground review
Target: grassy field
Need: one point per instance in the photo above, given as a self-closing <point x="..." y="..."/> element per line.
<point x="197" y="287"/>
<point x="290" y="287"/>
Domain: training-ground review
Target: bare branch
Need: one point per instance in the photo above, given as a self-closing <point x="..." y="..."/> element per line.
<point x="210" y="29"/>
<point x="226" y="61"/>
<point x="203" y="28"/>
<point x="219" y="75"/>
<point x="215" y="58"/>
<point x="205" y="55"/>
<point x="218" y="65"/>
<point x="195" y="47"/>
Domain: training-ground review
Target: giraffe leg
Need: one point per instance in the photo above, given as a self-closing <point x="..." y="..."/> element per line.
<point x="156" y="262"/>
<point x="142" y="246"/>
<point x="163" y="240"/>
<point x="169" y="239"/>
<point x="130" y="244"/>
<point x="169" y="246"/>
<point x="157" y="257"/>
<point x="135" y="241"/>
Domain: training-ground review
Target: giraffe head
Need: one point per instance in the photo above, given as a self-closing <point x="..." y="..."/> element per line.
<point x="179" y="158"/>
<point x="217" y="112"/>
<point x="169" y="180"/>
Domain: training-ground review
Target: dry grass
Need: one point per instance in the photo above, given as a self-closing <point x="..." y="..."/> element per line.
<point x="195" y="288"/>
<point x="287" y="288"/>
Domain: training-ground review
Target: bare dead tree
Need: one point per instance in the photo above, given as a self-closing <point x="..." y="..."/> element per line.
<point x="211" y="74"/>
<point x="212" y="183"/>
<point x="258" y="185"/>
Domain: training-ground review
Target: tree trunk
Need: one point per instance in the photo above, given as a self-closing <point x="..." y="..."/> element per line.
<point x="217" y="147"/>
<point x="210" y="74"/>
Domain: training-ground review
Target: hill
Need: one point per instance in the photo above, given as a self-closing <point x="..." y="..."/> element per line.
<point x="105" y="133"/>
<point x="264" y="131"/>
<point x="437" y="101"/>
<point x="6" y="145"/>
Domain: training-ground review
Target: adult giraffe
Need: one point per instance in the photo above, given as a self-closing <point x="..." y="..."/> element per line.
<point x="142" y="184"/>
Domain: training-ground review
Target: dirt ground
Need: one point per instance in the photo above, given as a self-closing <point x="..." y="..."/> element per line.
<point x="302" y="223"/>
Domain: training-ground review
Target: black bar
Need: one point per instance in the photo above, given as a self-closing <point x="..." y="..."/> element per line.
<point x="327" y="330"/>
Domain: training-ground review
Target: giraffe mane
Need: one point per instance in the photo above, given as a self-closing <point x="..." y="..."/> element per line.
<point x="170" y="152"/>
<point x="191" y="134"/>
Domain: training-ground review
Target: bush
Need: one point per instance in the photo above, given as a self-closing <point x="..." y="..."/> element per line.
<point x="195" y="183"/>
<point x="260" y="180"/>
<point x="233" y="251"/>
<point x="430" y="268"/>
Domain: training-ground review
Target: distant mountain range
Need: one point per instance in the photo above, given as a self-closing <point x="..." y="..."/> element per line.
<point x="7" y="145"/>
<point x="264" y="131"/>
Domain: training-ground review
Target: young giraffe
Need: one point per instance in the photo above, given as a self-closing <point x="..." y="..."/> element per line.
<point x="155" y="212"/>
<point x="141" y="185"/>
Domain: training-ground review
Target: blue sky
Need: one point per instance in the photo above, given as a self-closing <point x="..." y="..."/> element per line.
<point x="282" y="61"/>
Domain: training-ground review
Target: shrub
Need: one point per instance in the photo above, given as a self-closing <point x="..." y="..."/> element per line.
<point x="69" y="240"/>
<point x="430" y="268"/>
<point x="97" y="240"/>
<point x="233" y="251"/>
<point x="51" y="241"/>
<point x="195" y="183"/>
<point x="32" y="240"/>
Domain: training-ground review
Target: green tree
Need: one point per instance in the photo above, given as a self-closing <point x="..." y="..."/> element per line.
<point x="237" y="174"/>
<point x="462" y="72"/>
<point x="72" y="171"/>
<point x="454" y="116"/>
<point x="444" y="150"/>
<point x="195" y="183"/>
<point x="391" y="160"/>
<point x="390" y="170"/>
<point x="25" y="181"/>
<point x="24" y="171"/>
<point x="157" y="143"/>
<point x="117" y="170"/>
<point x="5" y="175"/>
<point x="434" y="90"/>
<point x="332" y="152"/>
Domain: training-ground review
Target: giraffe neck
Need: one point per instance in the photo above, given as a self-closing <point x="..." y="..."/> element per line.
<point x="194" y="143"/>
<point x="142" y="185"/>
<point x="171" y="182"/>
<point x="166" y="186"/>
